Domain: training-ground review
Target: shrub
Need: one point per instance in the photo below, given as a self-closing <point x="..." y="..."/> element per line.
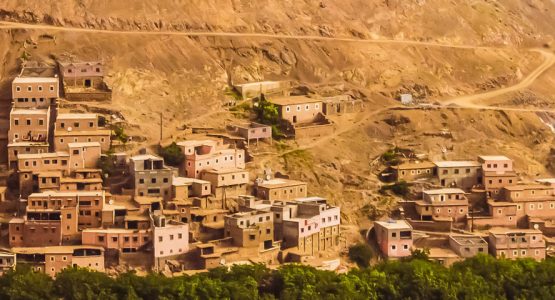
<point x="361" y="254"/>
<point x="400" y="188"/>
<point x="172" y="154"/>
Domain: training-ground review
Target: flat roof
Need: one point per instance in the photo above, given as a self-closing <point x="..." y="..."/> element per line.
<point x="179" y="181"/>
<point x="310" y="199"/>
<point x="95" y="132"/>
<point x="224" y="171"/>
<point x="493" y="157"/>
<point x="394" y="224"/>
<point x="258" y="83"/>
<point x="23" y="111"/>
<point x="546" y="180"/>
<point x="35" y="80"/>
<point x="207" y="142"/>
<point x="527" y="187"/>
<point x="468" y="239"/>
<point x="53" y="249"/>
<point x="85" y="144"/>
<point x="79" y="63"/>
<point x="457" y="163"/>
<point x="28" y="144"/>
<point x="43" y="155"/>
<point x="280" y="182"/>
<point x="147" y="200"/>
<point x="76" y="116"/>
<point x="415" y="165"/>
<point x="69" y="194"/>
<point x="145" y="157"/>
<point x="444" y="191"/>
<point x="504" y="231"/>
<point x="113" y="230"/>
<point x="207" y="211"/>
<point x="291" y="100"/>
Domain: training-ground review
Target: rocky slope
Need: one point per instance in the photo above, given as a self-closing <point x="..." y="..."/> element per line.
<point x="185" y="78"/>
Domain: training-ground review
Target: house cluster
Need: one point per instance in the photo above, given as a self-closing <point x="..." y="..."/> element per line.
<point x="201" y="214"/>
<point x="300" y="116"/>
<point x="485" y="201"/>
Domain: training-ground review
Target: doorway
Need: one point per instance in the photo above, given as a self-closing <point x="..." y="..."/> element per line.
<point x="88" y="83"/>
<point x="294" y="119"/>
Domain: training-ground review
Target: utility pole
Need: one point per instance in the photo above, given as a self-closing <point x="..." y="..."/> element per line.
<point x="161" y="132"/>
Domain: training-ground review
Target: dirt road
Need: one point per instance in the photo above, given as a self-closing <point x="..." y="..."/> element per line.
<point x="13" y="25"/>
<point x="468" y="101"/>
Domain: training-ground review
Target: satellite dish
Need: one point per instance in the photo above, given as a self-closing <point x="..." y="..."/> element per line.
<point x="536" y="226"/>
<point x="111" y="202"/>
<point x="69" y="129"/>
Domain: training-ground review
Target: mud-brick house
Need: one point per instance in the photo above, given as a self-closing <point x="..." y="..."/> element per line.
<point x="302" y="117"/>
<point x="460" y="174"/>
<point x="411" y="171"/>
<point x="517" y="243"/>
<point x="84" y="80"/>
<point x="445" y="203"/>
<point x="498" y="173"/>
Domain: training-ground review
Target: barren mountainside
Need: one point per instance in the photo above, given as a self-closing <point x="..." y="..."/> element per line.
<point x="185" y="77"/>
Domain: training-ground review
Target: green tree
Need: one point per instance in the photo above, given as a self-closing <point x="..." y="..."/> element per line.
<point x="120" y="135"/>
<point x="24" y="284"/>
<point x="172" y="154"/>
<point x="361" y="254"/>
<point x="82" y="284"/>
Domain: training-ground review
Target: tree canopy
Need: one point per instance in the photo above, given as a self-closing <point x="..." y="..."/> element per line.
<point x="481" y="277"/>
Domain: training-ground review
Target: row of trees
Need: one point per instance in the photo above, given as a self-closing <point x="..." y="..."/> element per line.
<point x="482" y="277"/>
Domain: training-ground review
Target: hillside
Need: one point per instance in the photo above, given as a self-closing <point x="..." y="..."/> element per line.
<point x="466" y="48"/>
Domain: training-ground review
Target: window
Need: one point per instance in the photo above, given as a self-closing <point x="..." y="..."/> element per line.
<point x="16" y="122"/>
<point x="298" y="108"/>
<point x="171" y="237"/>
<point x="51" y="88"/>
<point x="393" y="247"/>
<point x="160" y="239"/>
<point x="29" y="89"/>
<point x="40" y="88"/>
<point x="179" y="235"/>
<point x="153" y="180"/>
<point x="166" y="180"/>
<point x="91" y="124"/>
<point x="523" y="252"/>
<point x="316" y="106"/>
<point x="307" y="107"/>
<point x="28" y="121"/>
<point x="141" y="180"/>
<point x="17" y="88"/>
<point x="287" y="109"/>
<point x="114" y="239"/>
<point x="405" y="247"/>
<point x="394" y="234"/>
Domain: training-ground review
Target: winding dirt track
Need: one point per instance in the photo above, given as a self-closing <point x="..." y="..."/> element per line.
<point x="13" y="25"/>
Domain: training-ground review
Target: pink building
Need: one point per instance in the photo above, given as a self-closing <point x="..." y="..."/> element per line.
<point x="496" y="163"/>
<point x="209" y="154"/>
<point x="124" y="240"/>
<point x="497" y="173"/>
<point x="394" y="237"/>
<point x="517" y="243"/>
<point x="171" y="238"/>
